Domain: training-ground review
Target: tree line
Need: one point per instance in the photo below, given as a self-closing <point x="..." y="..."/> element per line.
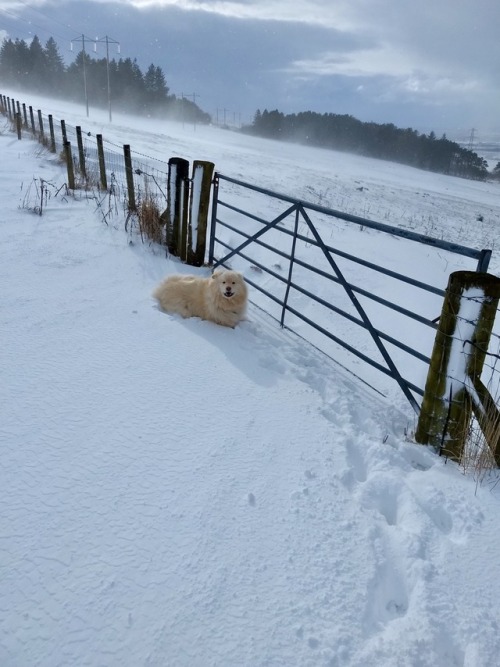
<point x="383" y="141"/>
<point x="40" y="68"/>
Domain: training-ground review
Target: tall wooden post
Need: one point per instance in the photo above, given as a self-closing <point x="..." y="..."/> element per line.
<point x="199" y="205"/>
<point x="177" y="206"/>
<point x="462" y="339"/>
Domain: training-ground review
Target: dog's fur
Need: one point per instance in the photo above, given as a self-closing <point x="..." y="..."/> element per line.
<point x="221" y="299"/>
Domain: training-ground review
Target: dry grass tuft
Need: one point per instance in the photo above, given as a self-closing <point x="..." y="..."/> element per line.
<point x="149" y="219"/>
<point x="150" y="224"/>
<point x="481" y="456"/>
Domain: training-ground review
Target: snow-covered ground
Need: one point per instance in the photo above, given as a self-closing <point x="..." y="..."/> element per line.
<point x="177" y="494"/>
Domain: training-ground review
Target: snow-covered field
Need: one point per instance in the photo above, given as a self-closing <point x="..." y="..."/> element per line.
<point x="177" y="494"/>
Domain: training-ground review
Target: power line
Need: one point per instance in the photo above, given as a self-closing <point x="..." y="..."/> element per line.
<point x="47" y="31"/>
<point x="35" y="9"/>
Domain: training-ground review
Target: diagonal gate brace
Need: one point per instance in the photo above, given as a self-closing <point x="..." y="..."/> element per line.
<point x="392" y="367"/>
<point x="249" y="240"/>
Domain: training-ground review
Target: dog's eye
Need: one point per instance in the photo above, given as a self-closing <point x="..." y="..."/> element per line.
<point x="234" y="283"/>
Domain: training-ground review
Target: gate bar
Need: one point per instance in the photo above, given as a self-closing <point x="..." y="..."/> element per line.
<point x="395" y="231"/>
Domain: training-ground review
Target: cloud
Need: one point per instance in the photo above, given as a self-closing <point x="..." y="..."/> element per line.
<point x="376" y="59"/>
<point x="312" y="12"/>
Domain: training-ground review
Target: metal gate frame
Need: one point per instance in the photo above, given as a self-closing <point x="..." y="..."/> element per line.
<point x="300" y="209"/>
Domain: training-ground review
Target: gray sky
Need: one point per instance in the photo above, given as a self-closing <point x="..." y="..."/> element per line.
<point x="428" y="64"/>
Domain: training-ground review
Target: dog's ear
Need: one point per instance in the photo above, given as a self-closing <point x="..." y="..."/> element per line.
<point x="216" y="273"/>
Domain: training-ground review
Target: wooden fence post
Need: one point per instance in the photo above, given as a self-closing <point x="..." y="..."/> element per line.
<point x="52" y="135"/>
<point x="198" y="211"/>
<point x="461" y="344"/>
<point x="25" y="116"/>
<point x="132" y="206"/>
<point x="40" y="125"/>
<point x="177" y="206"/>
<point x="32" y="119"/>
<point x="63" y="132"/>
<point x="102" y="164"/>
<point x="18" y="125"/>
<point x="81" y="152"/>
<point x="69" y="165"/>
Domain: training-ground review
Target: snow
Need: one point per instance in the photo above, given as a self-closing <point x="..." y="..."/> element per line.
<point x="461" y="346"/>
<point x="196" y="193"/>
<point x="173" y="192"/>
<point x="177" y="493"/>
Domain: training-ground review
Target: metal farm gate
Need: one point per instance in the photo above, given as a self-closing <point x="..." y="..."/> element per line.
<point x="289" y="245"/>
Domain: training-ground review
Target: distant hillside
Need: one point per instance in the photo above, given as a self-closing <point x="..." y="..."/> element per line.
<point x="387" y="142"/>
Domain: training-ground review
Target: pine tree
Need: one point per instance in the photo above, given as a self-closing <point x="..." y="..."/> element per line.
<point x="42" y="68"/>
<point x="36" y="76"/>
<point x="23" y="62"/>
<point x="8" y="61"/>
<point x="55" y="69"/>
<point x="156" y="89"/>
<point x="75" y="79"/>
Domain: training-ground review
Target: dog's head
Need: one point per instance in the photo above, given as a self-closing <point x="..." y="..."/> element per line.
<point x="230" y="284"/>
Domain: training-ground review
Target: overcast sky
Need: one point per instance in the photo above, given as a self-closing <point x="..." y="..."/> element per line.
<point x="427" y="64"/>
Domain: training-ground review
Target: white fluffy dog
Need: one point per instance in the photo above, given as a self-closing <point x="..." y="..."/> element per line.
<point x="221" y="299"/>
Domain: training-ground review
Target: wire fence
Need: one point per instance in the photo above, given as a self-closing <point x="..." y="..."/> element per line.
<point x="481" y="453"/>
<point x="141" y="183"/>
<point x="105" y="169"/>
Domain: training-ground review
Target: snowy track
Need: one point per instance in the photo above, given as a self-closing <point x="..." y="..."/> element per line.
<point x="178" y="494"/>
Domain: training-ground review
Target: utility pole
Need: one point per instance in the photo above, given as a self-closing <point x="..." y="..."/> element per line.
<point x="471" y="139"/>
<point x="194" y="96"/>
<point x="84" y="55"/>
<point x="107" y="40"/>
